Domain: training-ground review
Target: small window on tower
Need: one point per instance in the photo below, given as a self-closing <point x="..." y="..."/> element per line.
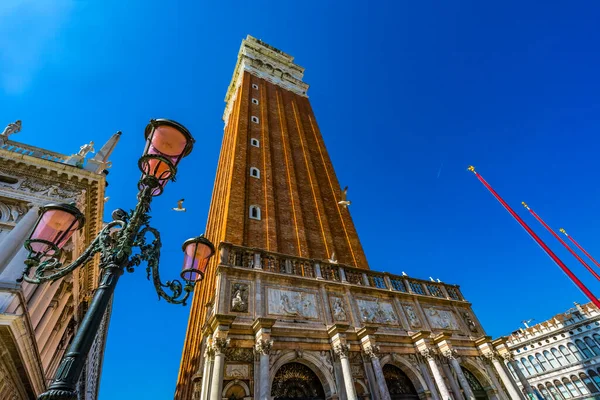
<point x="254" y="142"/>
<point x="254" y="119"/>
<point x="254" y="101"/>
<point x="255" y="212"/>
<point x="254" y="172"/>
<point x="254" y="86"/>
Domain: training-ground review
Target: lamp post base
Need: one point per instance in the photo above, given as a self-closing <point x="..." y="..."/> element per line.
<point x="57" y="394"/>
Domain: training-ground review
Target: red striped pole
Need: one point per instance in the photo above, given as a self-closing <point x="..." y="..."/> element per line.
<point x="579" y="247"/>
<point x="539" y="241"/>
<point x="541" y="221"/>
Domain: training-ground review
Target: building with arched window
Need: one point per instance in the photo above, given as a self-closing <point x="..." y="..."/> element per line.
<point x="560" y="358"/>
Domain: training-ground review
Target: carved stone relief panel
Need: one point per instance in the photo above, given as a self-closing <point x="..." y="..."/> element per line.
<point x="357" y="370"/>
<point x="11" y="212"/>
<point x="413" y="318"/>
<point x="441" y="319"/>
<point x="237" y="371"/>
<point x="376" y="311"/>
<point x="239" y="354"/>
<point x="291" y="303"/>
<point x="339" y="308"/>
<point x="239" y="297"/>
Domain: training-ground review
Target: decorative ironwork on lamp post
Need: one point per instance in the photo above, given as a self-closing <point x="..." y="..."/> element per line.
<point x="167" y="142"/>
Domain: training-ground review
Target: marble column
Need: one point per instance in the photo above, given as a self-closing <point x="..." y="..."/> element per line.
<point x="372" y="353"/>
<point x="450" y="378"/>
<point x="216" y="386"/>
<point x="528" y="389"/>
<point x="451" y="356"/>
<point x="17" y="236"/>
<point x="513" y="392"/>
<point x="427" y="377"/>
<point x="263" y="348"/>
<point x="341" y="350"/>
<point x="209" y="356"/>
<point x="437" y="376"/>
<point x="371" y="380"/>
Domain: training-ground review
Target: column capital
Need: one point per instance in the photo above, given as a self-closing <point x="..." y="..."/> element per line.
<point x="428" y="352"/>
<point x="219" y="345"/>
<point x="341" y="350"/>
<point x="372" y="351"/>
<point x="450" y="354"/>
<point x="263" y="346"/>
<point x="492" y="356"/>
<point x="508" y="357"/>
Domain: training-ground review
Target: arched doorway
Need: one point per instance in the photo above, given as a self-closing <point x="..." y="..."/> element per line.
<point x="475" y="385"/>
<point x="296" y="381"/>
<point x="399" y="386"/>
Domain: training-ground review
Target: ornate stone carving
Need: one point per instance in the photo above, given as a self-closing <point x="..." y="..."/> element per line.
<point x="41" y="188"/>
<point x="441" y="319"/>
<point x="291" y="303"/>
<point x="413" y="320"/>
<point x="263" y="346"/>
<point x="337" y="307"/>
<point x="239" y="297"/>
<point x="209" y="352"/>
<point x="325" y="357"/>
<point x="357" y="370"/>
<point x="372" y="351"/>
<point x="85" y="149"/>
<point x="492" y="356"/>
<point x="237" y="371"/>
<point x="428" y="353"/>
<point x="219" y="345"/>
<point x="469" y="321"/>
<point x="341" y="350"/>
<point x="355" y="357"/>
<point x="239" y="354"/>
<point x="376" y="312"/>
<point x="12" y="128"/>
<point x="450" y="354"/>
<point x="10" y="212"/>
<point x="508" y="357"/>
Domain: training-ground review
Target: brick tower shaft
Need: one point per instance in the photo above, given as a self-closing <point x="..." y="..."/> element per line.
<point x="275" y="187"/>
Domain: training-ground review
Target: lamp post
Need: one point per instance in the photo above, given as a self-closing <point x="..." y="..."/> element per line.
<point x="167" y="142"/>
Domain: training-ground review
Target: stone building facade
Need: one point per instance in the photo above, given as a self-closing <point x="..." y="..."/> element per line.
<point x="37" y="322"/>
<point x="560" y="357"/>
<point x="289" y="308"/>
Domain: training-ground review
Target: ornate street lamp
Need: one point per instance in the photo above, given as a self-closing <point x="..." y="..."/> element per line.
<point x="167" y="142"/>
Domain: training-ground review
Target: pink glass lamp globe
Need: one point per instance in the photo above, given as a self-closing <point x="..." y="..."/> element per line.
<point x="167" y="142"/>
<point x="197" y="252"/>
<point x="55" y="226"/>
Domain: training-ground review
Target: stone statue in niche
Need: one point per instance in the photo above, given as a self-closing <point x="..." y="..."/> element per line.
<point x="412" y="317"/>
<point x="472" y="326"/>
<point x="339" y="314"/>
<point x="239" y="297"/>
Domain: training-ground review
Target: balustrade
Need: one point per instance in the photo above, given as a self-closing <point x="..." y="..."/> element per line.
<point x="27" y="150"/>
<point x="244" y="257"/>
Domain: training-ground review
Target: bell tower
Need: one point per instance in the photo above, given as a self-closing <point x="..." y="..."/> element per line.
<point x="276" y="187"/>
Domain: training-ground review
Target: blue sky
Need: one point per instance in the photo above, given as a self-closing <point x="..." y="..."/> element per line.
<point x="407" y="95"/>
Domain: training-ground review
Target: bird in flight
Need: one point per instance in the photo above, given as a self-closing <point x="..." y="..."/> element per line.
<point x="179" y="206"/>
<point x="106" y="198"/>
<point x="344" y="202"/>
<point x="332" y="259"/>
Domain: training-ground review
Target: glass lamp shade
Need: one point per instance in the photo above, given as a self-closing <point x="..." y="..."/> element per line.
<point x="55" y="226"/>
<point x="167" y="142"/>
<point x="197" y="252"/>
